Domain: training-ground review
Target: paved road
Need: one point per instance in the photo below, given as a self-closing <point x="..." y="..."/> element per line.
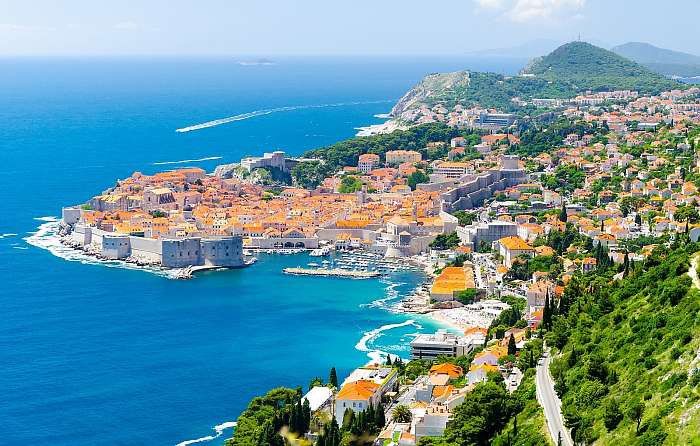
<point x="551" y="403"/>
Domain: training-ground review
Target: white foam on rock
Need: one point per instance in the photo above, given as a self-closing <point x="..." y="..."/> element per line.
<point x="219" y="429"/>
<point x="46" y="237"/>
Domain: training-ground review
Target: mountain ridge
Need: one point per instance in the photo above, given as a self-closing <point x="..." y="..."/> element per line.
<point x="660" y="60"/>
<point x="569" y="70"/>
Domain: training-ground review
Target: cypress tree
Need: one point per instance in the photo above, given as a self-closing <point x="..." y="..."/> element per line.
<point x="333" y="378"/>
<point x="388" y="360"/>
<point x="512" y="349"/>
<point x="294" y="419"/>
<point x="562" y="214"/>
<point x="379" y="417"/>
<point x="545" y="310"/>
<point x="306" y="412"/>
<point x="626" y="264"/>
<point x="515" y="426"/>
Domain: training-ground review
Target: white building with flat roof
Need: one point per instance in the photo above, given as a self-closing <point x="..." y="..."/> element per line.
<point x="430" y="346"/>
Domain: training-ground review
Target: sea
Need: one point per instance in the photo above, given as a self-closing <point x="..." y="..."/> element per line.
<point x="94" y="353"/>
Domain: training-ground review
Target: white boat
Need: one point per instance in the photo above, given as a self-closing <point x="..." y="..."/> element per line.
<point x="321" y="252"/>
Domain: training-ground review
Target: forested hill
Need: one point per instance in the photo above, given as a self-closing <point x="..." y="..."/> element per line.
<point x="629" y="368"/>
<point x="571" y="69"/>
<point x="587" y="67"/>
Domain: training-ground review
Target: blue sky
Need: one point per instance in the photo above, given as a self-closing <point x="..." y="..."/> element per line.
<point x="337" y="27"/>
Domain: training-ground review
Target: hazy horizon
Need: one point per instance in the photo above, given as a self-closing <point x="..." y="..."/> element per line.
<point x="318" y="28"/>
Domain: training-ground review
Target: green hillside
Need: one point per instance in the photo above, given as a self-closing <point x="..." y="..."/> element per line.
<point x="569" y="70"/>
<point x="628" y="373"/>
<point x="583" y="66"/>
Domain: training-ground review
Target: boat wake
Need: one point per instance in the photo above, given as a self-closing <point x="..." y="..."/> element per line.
<point x="376" y="355"/>
<point x="46" y="237"/>
<point x="269" y="111"/>
<point x="219" y="429"/>
<point x="7" y="235"/>
<point x="197" y="160"/>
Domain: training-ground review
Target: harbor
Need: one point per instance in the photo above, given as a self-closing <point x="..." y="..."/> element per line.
<point x="352" y="274"/>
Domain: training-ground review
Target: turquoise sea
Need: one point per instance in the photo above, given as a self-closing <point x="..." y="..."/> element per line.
<point x="96" y="355"/>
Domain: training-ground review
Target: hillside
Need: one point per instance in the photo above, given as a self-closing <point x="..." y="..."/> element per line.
<point x="660" y="60"/>
<point x="628" y="372"/>
<point x="587" y="67"/>
<point x="569" y="70"/>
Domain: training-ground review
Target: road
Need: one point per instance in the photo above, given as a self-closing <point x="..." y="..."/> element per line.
<point x="551" y="403"/>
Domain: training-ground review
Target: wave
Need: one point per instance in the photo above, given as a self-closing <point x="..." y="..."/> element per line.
<point x="46" y="237"/>
<point x="7" y="234"/>
<point x="209" y="158"/>
<point x="219" y="429"/>
<point x="391" y="292"/>
<point x="268" y="111"/>
<point x="376" y="355"/>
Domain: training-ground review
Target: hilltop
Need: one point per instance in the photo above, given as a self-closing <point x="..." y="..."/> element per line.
<point x="660" y="60"/>
<point x="583" y="66"/>
<point x="571" y="69"/>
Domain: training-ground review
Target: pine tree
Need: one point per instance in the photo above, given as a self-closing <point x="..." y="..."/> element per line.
<point x="512" y="349"/>
<point x="626" y="265"/>
<point x="333" y="378"/>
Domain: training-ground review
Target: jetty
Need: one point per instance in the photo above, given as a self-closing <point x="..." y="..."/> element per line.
<point x="324" y="272"/>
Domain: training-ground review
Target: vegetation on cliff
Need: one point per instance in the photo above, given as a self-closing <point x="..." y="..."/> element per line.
<point x="628" y="372"/>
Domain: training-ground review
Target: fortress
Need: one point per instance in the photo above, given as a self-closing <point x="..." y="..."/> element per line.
<point x="171" y="253"/>
<point x="474" y="189"/>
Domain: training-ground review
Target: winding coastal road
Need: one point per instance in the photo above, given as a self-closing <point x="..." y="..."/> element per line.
<point x="551" y="403"/>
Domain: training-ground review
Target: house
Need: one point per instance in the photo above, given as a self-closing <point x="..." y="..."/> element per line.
<point x="510" y="248"/>
<point x="367" y="162"/>
<point x="478" y="373"/>
<point x="356" y="396"/>
<point x="451" y="281"/>
<point x="319" y="398"/>
<point x="402" y="156"/>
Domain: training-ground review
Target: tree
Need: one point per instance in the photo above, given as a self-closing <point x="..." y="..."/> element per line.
<point x="317" y="381"/>
<point x="563" y="217"/>
<point x="310" y="174"/>
<point x="445" y="241"/>
<point x="333" y="378"/>
<point x="512" y="349"/>
<point x="636" y="411"/>
<point x="613" y="414"/>
<point x="401" y="414"/>
<point x="416" y="178"/>
<point x="349" y="184"/>
<point x="379" y="416"/>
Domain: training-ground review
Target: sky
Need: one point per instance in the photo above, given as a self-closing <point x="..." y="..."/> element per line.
<point x="333" y="27"/>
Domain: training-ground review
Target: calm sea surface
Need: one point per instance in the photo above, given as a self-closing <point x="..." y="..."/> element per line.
<point x="97" y="355"/>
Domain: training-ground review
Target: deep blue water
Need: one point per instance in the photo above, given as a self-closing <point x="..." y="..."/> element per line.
<point x="90" y="354"/>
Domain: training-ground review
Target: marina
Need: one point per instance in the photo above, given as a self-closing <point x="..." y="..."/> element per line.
<point x="332" y="273"/>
